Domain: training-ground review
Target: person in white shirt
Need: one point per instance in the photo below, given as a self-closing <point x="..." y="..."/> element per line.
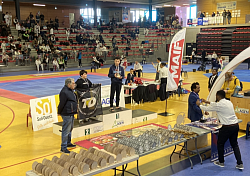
<point x="51" y="31"/>
<point x="141" y="49"/>
<point x="47" y="48"/>
<point x="5" y="59"/>
<point x="55" y="64"/>
<point x="37" y="29"/>
<point x="104" y="52"/>
<point x="230" y="127"/>
<point x="146" y="31"/>
<point x="10" y="19"/>
<point x="15" y="20"/>
<point x="163" y="73"/>
<point x="9" y="37"/>
<point x="193" y="55"/>
<point x="3" y="46"/>
<point x="68" y="33"/>
<point x="214" y="55"/>
<point x="137" y="69"/>
<point x="18" y="28"/>
<point x="38" y="64"/>
<point x="157" y="67"/>
<point x="6" y="17"/>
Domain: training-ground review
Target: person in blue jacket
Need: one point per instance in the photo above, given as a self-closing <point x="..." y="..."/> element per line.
<point x="116" y="73"/>
<point x="194" y="111"/>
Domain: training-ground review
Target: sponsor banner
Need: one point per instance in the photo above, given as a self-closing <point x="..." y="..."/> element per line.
<point x="200" y="21"/>
<point x="89" y="102"/>
<point x="226" y="5"/>
<point x="214" y="152"/>
<point x="195" y="21"/>
<point x="105" y="94"/>
<point x="241" y="110"/>
<point x="175" y="60"/>
<point x="229" y="68"/>
<point x="189" y="22"/>
<point x="119" y="119"/>
<point x="205" y="21"/>
<point x="144" y="118"/>
<point x="43" y="112"/>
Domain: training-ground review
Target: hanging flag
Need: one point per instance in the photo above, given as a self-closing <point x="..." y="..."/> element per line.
<point x="89" y="102"/>
<point x="175" y="60"/>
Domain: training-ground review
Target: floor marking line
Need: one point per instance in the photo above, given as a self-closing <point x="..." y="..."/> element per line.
<point x="13" y="117"/>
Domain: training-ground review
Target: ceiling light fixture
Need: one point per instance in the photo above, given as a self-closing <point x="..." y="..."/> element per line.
<point x="185" y="4"/>
<point x="194" y="2"/>
<point x="167" y="5"/>
<point x="40" y="5"/>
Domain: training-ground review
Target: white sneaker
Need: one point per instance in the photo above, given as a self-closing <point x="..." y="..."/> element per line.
<point x="63" y="69"/>
<point x="99" y="68"/>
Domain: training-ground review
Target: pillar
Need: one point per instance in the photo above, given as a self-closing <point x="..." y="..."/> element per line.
<point x="95" y="12"/>
<point x="150" y="10"/>
<point x="17" y="7"/>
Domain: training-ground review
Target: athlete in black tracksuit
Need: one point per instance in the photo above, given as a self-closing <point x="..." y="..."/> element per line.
<point x="116" y="73"/>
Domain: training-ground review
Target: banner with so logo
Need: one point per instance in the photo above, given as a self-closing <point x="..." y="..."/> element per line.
<point x="89" y="102"/>
<point x="43" y="112"/>
<point x="175" y="60"/>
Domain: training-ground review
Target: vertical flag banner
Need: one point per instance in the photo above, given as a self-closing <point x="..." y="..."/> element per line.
<point x="175" y="60"/>
<point x="43" y="112"/>
<point x="89" y="102"/>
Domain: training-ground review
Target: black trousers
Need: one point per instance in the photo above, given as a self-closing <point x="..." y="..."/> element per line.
<point x="115" y="88"/>
<point x="163" y="80"/>
<point x="80" y="62"/>
<point x="231" y="133"/>
<point x="139" y="73"/>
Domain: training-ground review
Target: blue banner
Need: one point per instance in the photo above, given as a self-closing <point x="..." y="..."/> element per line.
<point x="214" y="152"/>
<point x="200" y="21"/>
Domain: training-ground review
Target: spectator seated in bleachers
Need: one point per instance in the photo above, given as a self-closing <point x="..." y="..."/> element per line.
<point x="53" y="39"/>
<point x="10" y="38"/>
<point x="61" y="63"/>
<point x="45" y="63"/>
<point x="55" y="64"/>
<point x="5" y="59"/>
<point x="137" y="69"/>
<point x="26" y="36"/>
<point x="39" y="64"/>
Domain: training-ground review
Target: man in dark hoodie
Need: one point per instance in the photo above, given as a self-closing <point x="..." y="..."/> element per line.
<point x="67" y="108"/>
<point x="116" y="73"/>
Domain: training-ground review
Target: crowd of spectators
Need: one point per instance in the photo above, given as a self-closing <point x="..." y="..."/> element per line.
<point x="39" y="34"/>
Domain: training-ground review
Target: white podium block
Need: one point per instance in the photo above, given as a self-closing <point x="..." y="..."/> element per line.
<point x="140" y="115"/>
<point x="115" y="119"/>
<point x="80" y="130"/>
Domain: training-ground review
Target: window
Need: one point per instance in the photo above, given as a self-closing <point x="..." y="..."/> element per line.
<point x="154" y="15"/>
<point x="88" y="14"/>
<point x="193" y="10"/>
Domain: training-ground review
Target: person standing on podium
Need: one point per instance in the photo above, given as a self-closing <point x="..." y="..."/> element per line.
<point x="83" y="84"/>
<point x="116" y="73"/>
